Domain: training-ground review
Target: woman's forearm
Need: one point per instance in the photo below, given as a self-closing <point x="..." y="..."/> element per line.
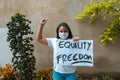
<point x="39" y="32"/>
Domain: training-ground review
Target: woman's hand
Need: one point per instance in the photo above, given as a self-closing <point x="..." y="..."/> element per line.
<point x="75" y="38"/>
<point x="43" y="21"/>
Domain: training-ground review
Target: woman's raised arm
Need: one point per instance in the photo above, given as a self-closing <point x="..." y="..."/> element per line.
<point x="39" y="36"/>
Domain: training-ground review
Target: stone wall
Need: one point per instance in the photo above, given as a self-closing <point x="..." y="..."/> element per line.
<point x="106" y="58"/>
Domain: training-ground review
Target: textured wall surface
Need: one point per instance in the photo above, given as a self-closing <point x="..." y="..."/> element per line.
<point x="106" y="58"/>
<point x="5" y="54"/>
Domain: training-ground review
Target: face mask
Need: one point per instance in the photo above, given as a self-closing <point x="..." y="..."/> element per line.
<point x="63" y="35"/>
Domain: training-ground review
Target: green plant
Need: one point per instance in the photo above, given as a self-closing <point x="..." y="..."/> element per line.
<point x="104" y="8"/>
<point x="107" y="78"/>
<point x="21" y="47"/>
<point x="95" y="78"/>
<point x="79" y="78"/>
<point x="112" y="31"/>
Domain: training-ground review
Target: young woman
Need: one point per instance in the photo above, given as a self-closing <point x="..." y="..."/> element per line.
<point x="60" y="72"/>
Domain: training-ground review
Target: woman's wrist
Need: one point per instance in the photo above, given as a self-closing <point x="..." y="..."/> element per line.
<point x="41" y="25"/>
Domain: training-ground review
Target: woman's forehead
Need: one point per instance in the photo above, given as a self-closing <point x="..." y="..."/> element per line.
<point x="63" y="28"/>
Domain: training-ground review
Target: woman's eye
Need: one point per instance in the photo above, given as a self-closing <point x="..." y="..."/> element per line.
<point x="65" y="31"/>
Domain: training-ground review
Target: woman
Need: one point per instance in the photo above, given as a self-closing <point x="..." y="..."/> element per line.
<point x="60" y="72"/>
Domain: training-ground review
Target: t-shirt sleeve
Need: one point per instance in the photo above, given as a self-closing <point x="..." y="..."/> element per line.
<point x="50" y="41"/>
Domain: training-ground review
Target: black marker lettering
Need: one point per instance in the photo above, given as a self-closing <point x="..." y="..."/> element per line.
<point x="89" y="44"/>
<point x="70" y="57"/>
<point x="61" y="44"/>
<point x="67" y="44"/>
<point x="64" y="58"/>
<point x="58" y="58"/>
<point x="75" y="57"/>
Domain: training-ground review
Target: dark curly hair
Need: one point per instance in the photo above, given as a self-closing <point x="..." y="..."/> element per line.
<point x="70" y="36"/>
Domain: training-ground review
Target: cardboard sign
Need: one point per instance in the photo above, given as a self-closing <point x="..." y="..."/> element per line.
<point x="74" y="53"/>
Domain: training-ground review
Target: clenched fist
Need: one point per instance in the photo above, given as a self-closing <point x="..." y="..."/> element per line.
<point x="43" y="21"/>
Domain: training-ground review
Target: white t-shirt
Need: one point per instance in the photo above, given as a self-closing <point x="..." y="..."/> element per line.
<point x="57" y="67"/>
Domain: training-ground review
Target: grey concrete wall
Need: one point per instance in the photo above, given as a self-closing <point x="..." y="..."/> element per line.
<point x="106" y="58"/>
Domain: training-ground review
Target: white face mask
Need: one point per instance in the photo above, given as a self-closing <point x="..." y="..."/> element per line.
<point x="63" y="35"/>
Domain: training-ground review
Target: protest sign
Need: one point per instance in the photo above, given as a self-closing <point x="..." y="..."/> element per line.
<point x="74" y="53"/>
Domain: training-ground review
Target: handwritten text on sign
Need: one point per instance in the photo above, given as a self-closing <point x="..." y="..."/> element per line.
<point x="74" y="53"/>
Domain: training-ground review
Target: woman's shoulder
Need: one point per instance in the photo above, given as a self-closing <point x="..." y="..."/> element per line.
<point x="51" y="38"/>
